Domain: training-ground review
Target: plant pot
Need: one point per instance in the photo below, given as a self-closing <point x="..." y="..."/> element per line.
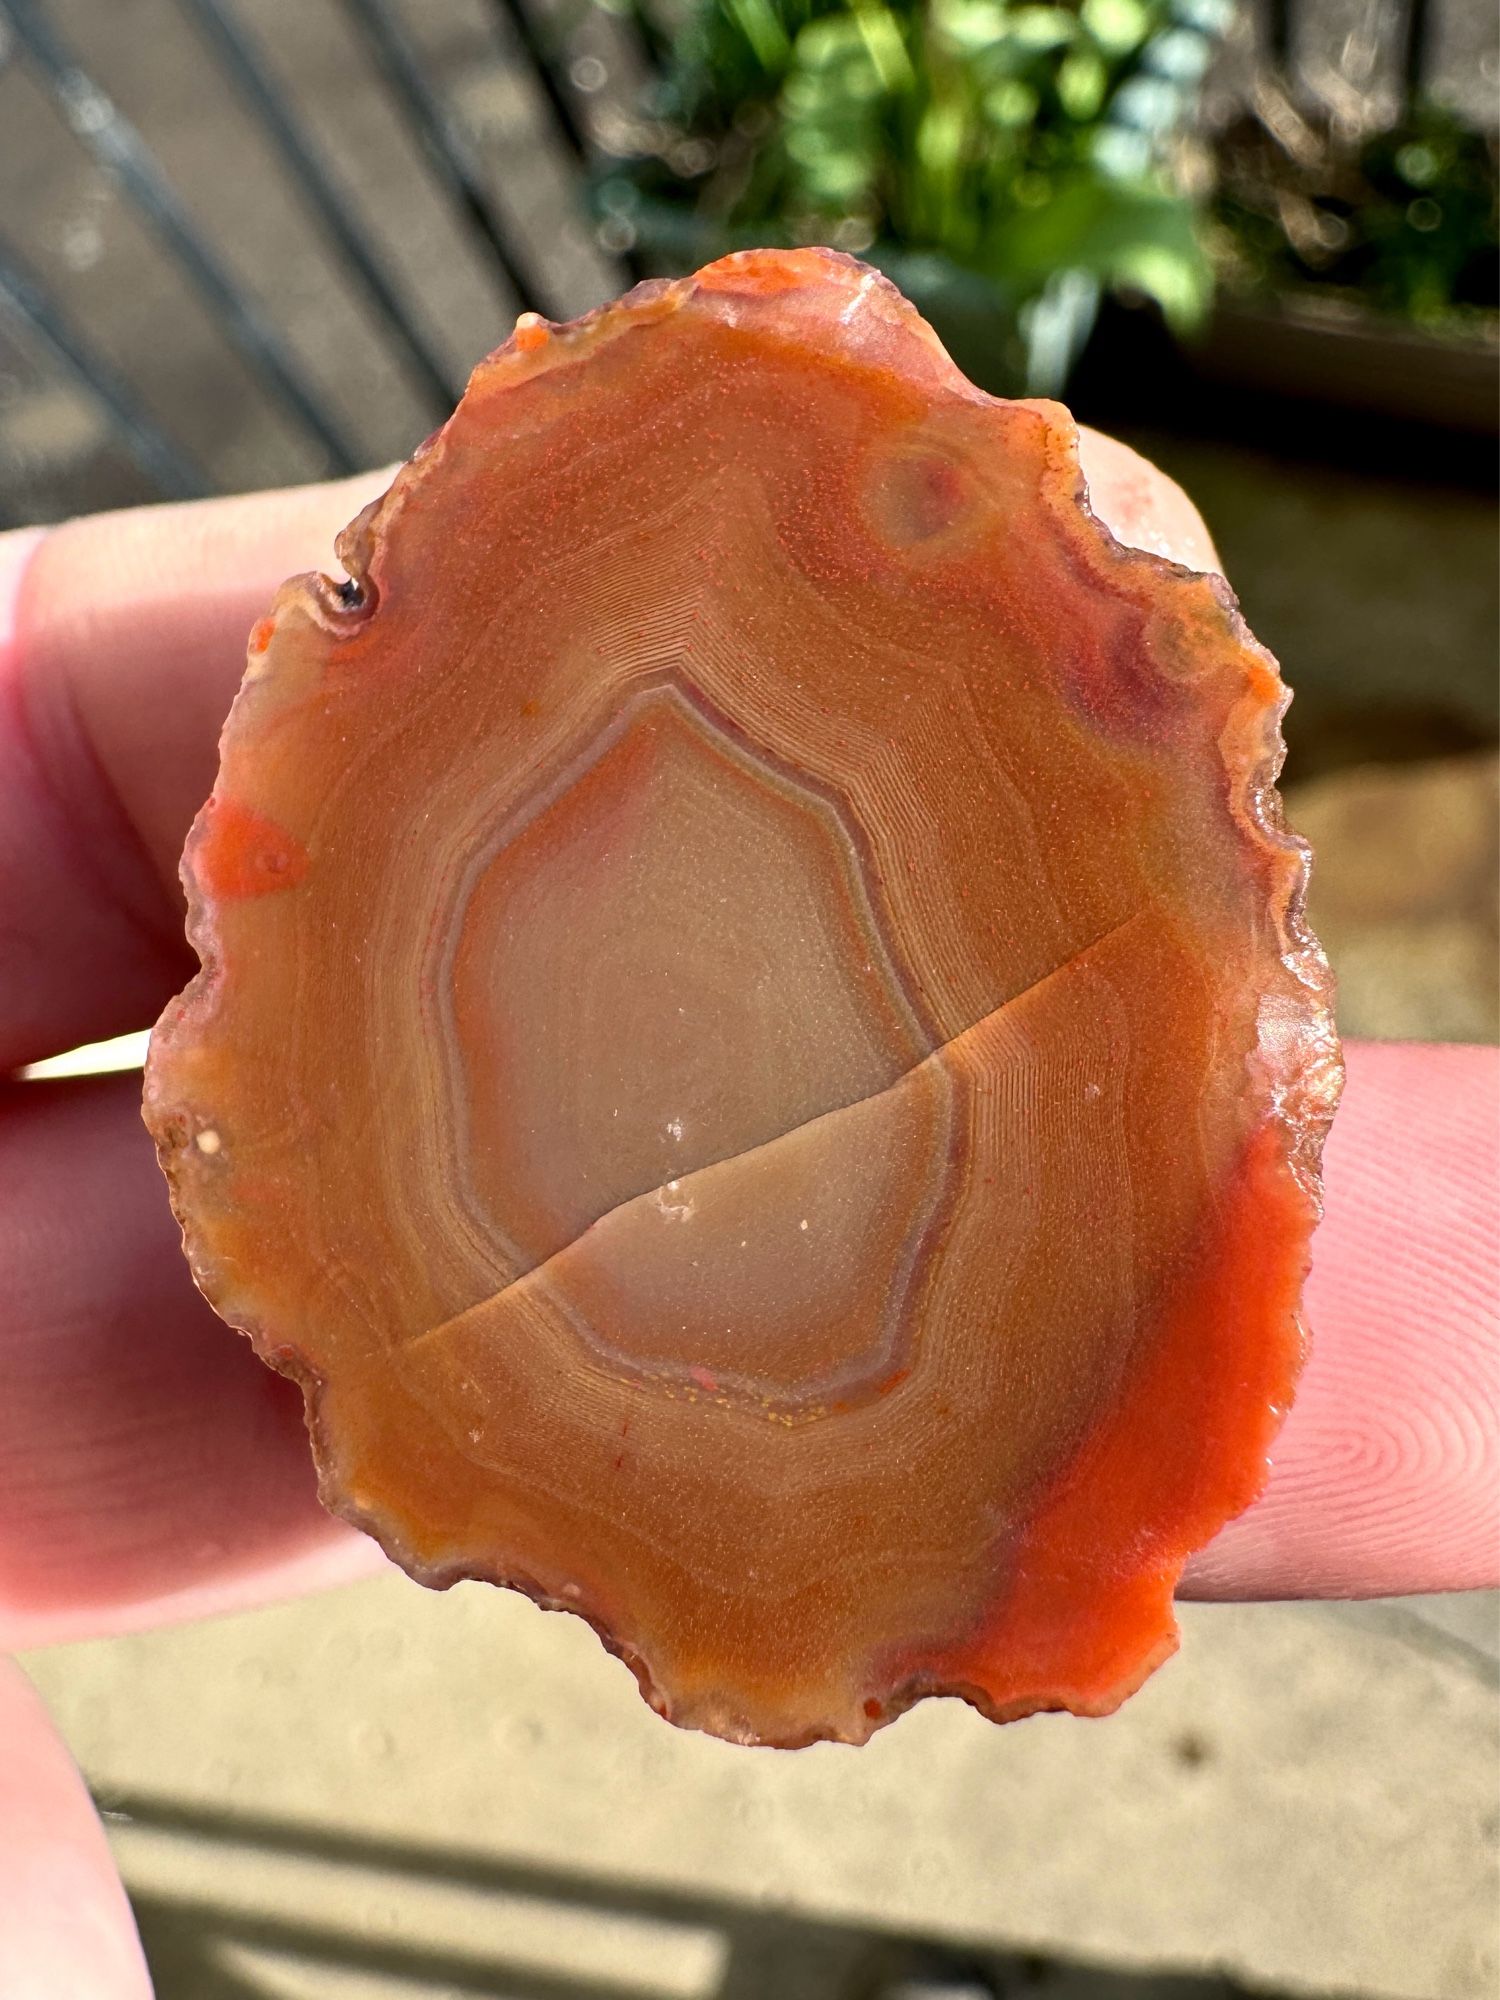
<point x="1336" y="352"/>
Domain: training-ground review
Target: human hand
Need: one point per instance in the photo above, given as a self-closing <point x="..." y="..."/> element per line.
<point x="151" y="1468"/>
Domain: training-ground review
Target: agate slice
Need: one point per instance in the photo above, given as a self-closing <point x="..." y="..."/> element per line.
<point x="757" y="1054"/>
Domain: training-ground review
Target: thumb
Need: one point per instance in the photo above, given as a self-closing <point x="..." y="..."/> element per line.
<point x="65" y="1922"/>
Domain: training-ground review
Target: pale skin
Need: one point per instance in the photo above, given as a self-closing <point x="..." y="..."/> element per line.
<point x="151" y="1469"/>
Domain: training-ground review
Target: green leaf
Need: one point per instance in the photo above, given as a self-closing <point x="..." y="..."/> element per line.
<point x="1054" y="326"/>
<point x="1040" y="28"/>
<point x="1143" y="236"/>
<point x="883" y="39"/>
<point x="1180" y="281"/>
<point x="1117" y="26"/>
<point x="971" y="27"/>
<point x="1081" y="83"/>
<point x="1011" y="103"/>
<point x="762" y="29"/>
<point x="940" y="138"/>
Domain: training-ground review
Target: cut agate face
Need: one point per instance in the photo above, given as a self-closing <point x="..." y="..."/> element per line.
<point x="757" y="1054"/>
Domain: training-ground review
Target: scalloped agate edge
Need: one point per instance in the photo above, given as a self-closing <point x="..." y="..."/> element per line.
<point x="1296" y="1065"/>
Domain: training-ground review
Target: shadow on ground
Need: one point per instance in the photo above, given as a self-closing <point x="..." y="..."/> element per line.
<point x="206" y="1952"/>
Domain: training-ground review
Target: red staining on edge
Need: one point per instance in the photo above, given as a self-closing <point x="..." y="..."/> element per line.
<point x="238" y="853"/>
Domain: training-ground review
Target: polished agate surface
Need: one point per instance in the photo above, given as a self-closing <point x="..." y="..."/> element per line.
<point x="757" y="1054"/>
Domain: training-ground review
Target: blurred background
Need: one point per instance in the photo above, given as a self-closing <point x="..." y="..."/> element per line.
<point x="245" y="242"/>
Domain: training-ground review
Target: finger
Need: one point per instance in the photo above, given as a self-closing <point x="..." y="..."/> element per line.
<point x="1140" y="506"/>
<point x="150" y="1466"/>
<point x="65" y="1923"/>
<point x="122" y="640"/>
<point x="1386" y="1477"/>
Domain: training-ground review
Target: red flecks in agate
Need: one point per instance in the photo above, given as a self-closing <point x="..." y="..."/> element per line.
<point x="757" y="1047"/>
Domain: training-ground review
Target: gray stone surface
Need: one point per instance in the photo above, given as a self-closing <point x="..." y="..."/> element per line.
<point x="1298" y="1801"/>
<point x="1403" y="895"/>
<point x="108" y="272"/>
<point x="1378" y="596"/>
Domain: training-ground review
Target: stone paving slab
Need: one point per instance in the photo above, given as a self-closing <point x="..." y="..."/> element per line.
<point x="1301" y="1800"/>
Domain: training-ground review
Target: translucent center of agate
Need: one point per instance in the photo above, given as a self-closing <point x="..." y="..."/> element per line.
<point x="675" y="1025"/>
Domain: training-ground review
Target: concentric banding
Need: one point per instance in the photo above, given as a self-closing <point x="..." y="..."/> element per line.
<point x="772" y="1086"/>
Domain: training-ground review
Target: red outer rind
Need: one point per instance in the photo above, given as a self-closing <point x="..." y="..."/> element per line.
<point x="1133" y="1506"/>
<point x="1135" y="1501"/>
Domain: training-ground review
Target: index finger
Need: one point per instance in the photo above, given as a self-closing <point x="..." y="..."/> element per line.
<point x="123" y="646"/>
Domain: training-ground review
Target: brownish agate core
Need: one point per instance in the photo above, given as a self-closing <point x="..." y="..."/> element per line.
<point x="756" y="1052"/>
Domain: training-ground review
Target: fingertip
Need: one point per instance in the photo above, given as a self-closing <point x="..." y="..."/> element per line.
<point x="1386" y="1477"/>
<point x="1140" y="505"/>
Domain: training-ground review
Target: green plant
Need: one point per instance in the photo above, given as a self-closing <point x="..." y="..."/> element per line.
<point x="1030" y="148"/>
<point x="1403" y="219"/>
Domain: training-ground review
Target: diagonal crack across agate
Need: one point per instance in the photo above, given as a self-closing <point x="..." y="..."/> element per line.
<point x="735" y="1176"/>
<point x="860" y="1189"/>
